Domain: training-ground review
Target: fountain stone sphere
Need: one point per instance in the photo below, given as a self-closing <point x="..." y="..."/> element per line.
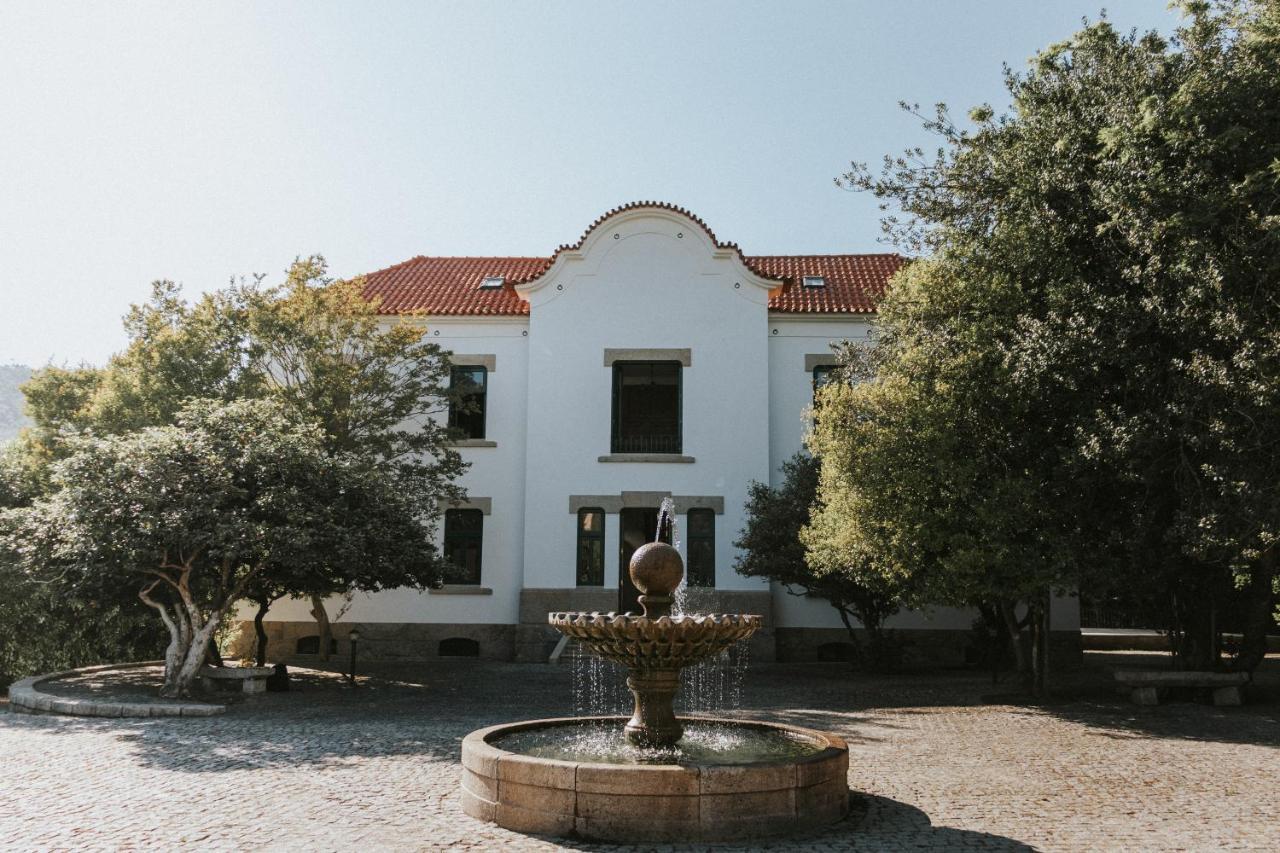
<point x="640" y="779"/>
<point x="656" y="569"/>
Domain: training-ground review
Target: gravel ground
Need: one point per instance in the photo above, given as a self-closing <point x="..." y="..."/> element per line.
<point x="938" y="761"/>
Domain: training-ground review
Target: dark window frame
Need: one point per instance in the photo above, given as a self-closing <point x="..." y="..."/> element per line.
<point x="467" y="421"/>
<point x="695" y="537"/>
<point x="822" y="376"/>
<point x="588" y="575"/>
<point x="455" y="538"/>
<point x="616" y="440"/>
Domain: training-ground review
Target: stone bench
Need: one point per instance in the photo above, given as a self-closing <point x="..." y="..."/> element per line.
<point x="1144" y="686"/>
<point x="252" y="679"/>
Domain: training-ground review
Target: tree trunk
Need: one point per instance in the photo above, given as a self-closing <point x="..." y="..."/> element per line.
<point x="178" y="639"/>
<point x="1009" y="618"/>
<point x="1259" y="606"/>
<point x="260" y="654"/>
<point x="848" y="626"/>
<point x="322" y="620"/>
<point x="215" y="654"/>
<point x="1196" y="645"/>
<point x="172" y="658"/>
<point x="1039" y="648"/>
<point x="193" y="661"/>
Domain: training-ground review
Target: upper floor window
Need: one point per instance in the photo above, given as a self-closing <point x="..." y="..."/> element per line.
<point x="701" y="542"/>
<point x="646" y="407"/>
<point x="822" y="376"/>
<point x="463" y="541"/>
<point x="590" y="547"/>
<point x="467" y="410"/>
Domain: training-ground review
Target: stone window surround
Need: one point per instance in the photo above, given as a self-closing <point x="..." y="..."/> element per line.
<point x="488" y="361"/>
<point x="684" y="356"/>
<point x="613" y="504"/>
<point x="485" y="505"/>
<point x="460" y="589"/>
<point x="812" y="360"/>
<point x="647" y="457"/>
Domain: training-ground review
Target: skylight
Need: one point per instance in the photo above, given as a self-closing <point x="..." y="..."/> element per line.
<point x="814" y="281"/>
<point x="491" y="282"/>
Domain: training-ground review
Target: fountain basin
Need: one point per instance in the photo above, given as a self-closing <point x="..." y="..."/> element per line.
<point x="688" y="798"/>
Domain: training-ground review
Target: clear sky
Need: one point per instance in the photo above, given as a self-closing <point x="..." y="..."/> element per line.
<point x="199" y="141"/>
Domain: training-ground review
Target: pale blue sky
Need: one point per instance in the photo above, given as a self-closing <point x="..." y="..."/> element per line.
<point x="196" y="141"/>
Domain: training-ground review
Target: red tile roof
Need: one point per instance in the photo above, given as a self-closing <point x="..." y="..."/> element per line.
<point x="451" y="286"/>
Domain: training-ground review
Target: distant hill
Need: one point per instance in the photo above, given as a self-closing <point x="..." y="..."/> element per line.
<point x="11" y="417"/>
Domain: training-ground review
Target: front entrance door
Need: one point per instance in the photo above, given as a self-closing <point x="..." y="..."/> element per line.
<point x="638" y="526"/>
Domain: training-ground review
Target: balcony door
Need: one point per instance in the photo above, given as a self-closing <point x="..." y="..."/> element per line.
<point x="638" y="526"/>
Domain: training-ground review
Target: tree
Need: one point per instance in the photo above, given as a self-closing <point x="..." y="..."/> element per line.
<point x="322" y="349"/>
<point x="1078" y="386"/>
<point x="772" y="547"/>
<point x="191" y="515"/>
<point x="313" y="344"/>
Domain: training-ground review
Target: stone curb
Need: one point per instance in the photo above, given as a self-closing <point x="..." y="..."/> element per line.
<point x="25" y="697"/>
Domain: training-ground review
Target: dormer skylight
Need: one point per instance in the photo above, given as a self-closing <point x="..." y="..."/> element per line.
<point x="813" y="281"/>
<point x="491" y="282"/>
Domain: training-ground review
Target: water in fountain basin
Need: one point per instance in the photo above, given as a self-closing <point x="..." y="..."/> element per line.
<point x="703" y="743"/>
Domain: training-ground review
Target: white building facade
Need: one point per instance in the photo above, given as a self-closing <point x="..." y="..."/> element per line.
<point x="646" y="361"/>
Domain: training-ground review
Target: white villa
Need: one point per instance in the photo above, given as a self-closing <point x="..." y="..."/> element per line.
<point x="647" y="360"/>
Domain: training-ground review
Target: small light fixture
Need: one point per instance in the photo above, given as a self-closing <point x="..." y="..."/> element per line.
<point x="814" y="281"/>
<point x="491" y="282"/>
<point x="354" y="637"/>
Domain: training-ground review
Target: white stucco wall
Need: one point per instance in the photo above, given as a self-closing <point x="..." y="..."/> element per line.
<point x="643" y="281"/>
<point x="496" y="473"/>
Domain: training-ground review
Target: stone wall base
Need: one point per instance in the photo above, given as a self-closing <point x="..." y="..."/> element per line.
<point x="533" y="640"/>
<point x="921" y="647"/>
<point x="386" y="641"/>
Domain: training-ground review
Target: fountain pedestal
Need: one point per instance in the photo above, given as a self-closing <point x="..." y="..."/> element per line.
<point x="654" y="722"/>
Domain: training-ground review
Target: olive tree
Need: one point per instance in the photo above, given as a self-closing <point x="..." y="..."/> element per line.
<point x="372" y="386"/>
<point x="189" y="516"/>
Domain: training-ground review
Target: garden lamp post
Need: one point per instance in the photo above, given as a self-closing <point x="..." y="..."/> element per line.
<point x="354" y="636"/>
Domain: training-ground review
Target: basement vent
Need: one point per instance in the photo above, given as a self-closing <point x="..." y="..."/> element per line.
<point x="458" y="647"/>
<point x="491" y="282"/>
<point x="814" y="281"/>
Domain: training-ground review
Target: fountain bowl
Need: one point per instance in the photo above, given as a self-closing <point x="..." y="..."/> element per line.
<point x="683" y="800"/>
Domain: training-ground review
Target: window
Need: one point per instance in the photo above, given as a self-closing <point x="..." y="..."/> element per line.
<point x="590" y="547"/>
<point x="646" y="407"/>
<point x="491" y="282"/>
<point x="814" y="281"/>
<point x="463" y="537"/>
<point x="467" y="409"/>
<point x="822" y="375"/>
<point x="702" y="547"/>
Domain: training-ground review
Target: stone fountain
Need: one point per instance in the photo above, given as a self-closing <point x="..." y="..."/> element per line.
<point x="652" y="777"/>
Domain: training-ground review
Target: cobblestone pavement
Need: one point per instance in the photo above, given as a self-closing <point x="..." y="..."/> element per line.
<point x="937" y="761"/>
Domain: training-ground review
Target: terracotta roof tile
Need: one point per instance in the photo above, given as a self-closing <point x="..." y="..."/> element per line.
<point x="853" y="284"/>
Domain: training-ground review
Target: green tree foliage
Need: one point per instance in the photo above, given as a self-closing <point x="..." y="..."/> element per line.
<point x="1079" y="385"/>
<point x="190" y="516"/>
<point x="771" y="547"/>
<point x="44" y="627"/>
<point x="312" y="345"/>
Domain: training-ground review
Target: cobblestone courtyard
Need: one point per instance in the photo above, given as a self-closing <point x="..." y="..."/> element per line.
<point x="937" y="761"/>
